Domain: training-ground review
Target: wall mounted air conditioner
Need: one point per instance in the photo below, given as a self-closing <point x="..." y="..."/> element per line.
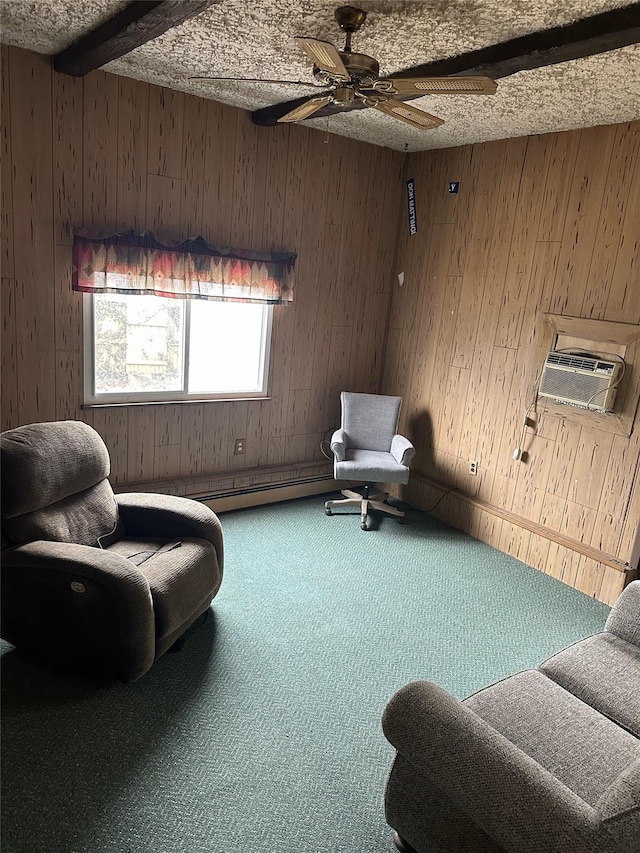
<point x="580" y="380"/>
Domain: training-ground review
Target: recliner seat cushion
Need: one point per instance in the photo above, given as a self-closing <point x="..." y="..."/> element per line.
<point x="575" y="743"/>
<point x="183" y="578"/>
<point x="602" y="671"/>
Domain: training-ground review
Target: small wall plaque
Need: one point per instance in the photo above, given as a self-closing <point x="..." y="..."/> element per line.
<point x="411" y="206"/>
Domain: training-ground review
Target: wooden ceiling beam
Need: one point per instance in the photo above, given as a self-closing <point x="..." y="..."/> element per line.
<point x="586" y="37"/>
<point x="131" y="27"/>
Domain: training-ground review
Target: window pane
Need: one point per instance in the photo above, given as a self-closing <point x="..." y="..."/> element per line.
<point x="138" y="343"/>
<point x="226" y="347"/>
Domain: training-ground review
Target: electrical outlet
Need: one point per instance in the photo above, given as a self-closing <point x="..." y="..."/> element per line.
<point x="238" y="447"/>
<point x="473" y="467"/>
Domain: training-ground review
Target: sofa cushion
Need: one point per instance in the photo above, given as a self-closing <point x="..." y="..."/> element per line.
<point x="583" y="749"/>
<point x="604" y="672"/>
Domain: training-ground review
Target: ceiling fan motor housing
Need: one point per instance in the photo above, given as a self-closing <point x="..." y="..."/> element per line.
<point x="361" y="68"/>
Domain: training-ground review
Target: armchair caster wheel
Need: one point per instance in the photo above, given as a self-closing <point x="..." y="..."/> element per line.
<point x="363" y="525"/>
<point x="327" y="511"/>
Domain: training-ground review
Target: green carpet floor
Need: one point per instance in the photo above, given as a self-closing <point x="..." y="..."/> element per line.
<point x="263" y="735"/>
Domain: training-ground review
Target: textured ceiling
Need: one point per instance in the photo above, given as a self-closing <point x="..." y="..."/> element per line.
<point x="255" y="40"/>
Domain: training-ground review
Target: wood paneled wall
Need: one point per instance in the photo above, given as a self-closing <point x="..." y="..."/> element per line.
<point x="540" y="224"/>
<point x="544" y="224"/>
<point x="110" y="152"/>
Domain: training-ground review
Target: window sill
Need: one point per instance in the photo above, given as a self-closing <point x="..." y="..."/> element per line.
<point x="197" y="402"/>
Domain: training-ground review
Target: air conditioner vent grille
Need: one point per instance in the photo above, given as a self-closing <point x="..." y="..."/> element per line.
<point x="580" y="389"/>
<point x="571" y="361"/>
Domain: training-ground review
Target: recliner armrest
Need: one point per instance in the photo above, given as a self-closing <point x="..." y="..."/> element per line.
<point x="514" y="799"/>
<point x="170" y="516"/>
<point x="42" y="573"/>
<point x="339" y="444"/>
<point x="402" y="450"/>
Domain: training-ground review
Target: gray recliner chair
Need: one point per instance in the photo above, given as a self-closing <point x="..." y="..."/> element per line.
<point x="367" y="447"/>
<point x="97" y="581"/>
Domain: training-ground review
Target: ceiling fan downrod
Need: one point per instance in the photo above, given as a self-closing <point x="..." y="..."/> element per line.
<point x="349" y="19"/>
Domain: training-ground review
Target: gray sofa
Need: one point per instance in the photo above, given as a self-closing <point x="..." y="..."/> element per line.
<point x="544" y="761"/>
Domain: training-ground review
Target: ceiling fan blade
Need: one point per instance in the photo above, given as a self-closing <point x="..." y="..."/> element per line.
<point x="259" y="80"/>
<point x="324" y="55"/>
<point x="443" y="85"/>
<point x="308" y="108"/>
<point x="405" y="112"/>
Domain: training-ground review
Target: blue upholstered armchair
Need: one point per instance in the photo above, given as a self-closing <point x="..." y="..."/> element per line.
<point x="367" y="448"/>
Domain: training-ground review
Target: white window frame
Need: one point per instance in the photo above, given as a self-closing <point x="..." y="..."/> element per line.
<point x="177" y="396"/>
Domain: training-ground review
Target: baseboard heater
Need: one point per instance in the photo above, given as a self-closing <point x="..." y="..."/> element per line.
<point x="265" y="493"/>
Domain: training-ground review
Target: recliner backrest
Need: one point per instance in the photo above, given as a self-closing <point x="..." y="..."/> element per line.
<point x="370" y="420"/>
<point x="54" y="484"/>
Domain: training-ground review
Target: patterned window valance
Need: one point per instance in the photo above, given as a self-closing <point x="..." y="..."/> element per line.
<point x="193" y="269"/>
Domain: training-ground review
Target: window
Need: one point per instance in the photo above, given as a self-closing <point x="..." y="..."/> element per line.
<point x="153" y="348"/>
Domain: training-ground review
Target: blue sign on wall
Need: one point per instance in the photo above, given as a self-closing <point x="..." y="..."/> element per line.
<point x="454" y="186"/>
<point x="411" y="206"/>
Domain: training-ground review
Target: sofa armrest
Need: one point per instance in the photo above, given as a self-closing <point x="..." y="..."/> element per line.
<point x="624" y="619"/>
<point x="518" y="803"/>
<point x="169" y="516"/>
<point x="619" y="808"/>
<point x="72" y="581"/>
<point x="402" y="450"/>
<point x="339" y="444"/>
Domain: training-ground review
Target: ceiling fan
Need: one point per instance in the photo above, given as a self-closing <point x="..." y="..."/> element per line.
<point x="352" y="79"/>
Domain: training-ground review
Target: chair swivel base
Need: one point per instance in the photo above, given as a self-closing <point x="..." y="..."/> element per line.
<point x="366" y="502"/>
